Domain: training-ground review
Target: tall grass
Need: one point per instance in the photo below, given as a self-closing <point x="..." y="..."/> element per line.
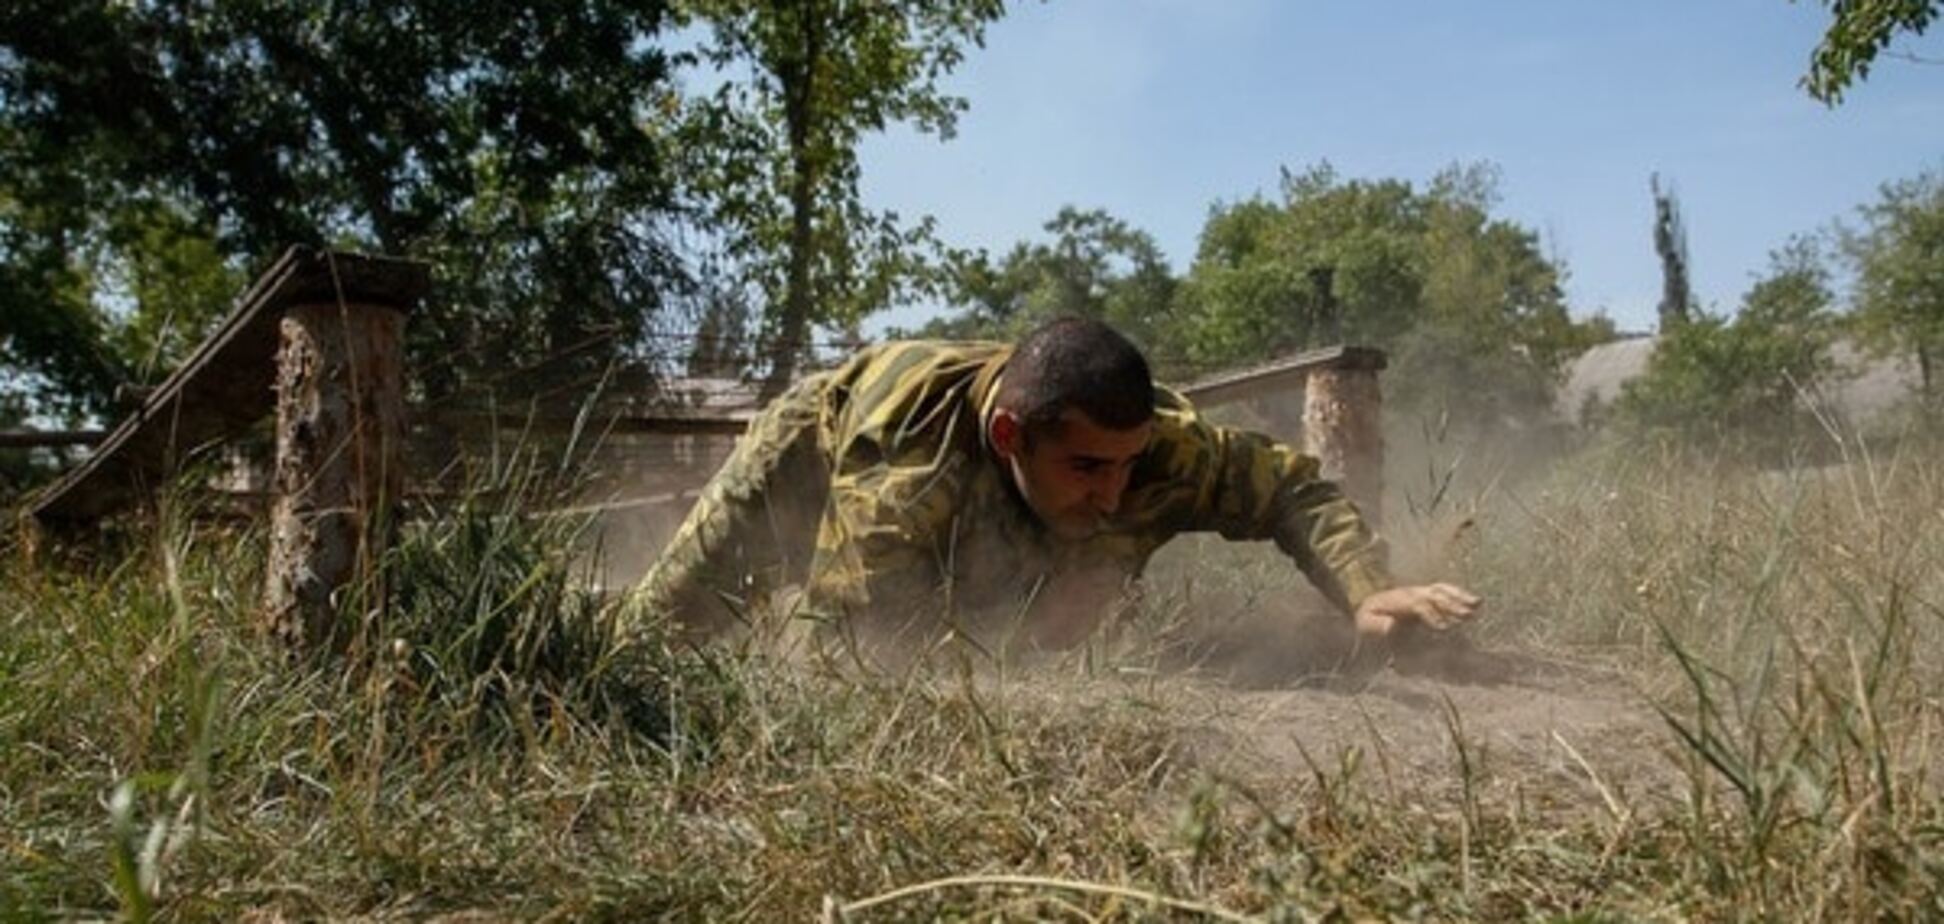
<point x="503" y="745"/>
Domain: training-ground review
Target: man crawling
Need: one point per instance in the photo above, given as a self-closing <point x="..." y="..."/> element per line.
<point x="1004" y="495"/>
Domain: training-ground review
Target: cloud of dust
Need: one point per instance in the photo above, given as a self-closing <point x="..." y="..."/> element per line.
<point x="1239" y="611"/>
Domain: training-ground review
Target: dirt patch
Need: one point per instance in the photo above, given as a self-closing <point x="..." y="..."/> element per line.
<point x="1545" y="734"/>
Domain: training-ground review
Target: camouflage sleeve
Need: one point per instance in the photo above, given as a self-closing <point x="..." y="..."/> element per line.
<point x="747" y="528"/>
<point x="1245" y="485"/>
<point x="878" y="562"/>
<point x="873" y="567"/>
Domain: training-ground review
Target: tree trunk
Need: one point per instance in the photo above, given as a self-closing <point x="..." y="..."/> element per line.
<point x="799" y="113"/>
<point x="340" y="430"/>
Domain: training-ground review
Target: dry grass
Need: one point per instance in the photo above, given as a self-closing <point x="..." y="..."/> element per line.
<point x="502" y="760"/>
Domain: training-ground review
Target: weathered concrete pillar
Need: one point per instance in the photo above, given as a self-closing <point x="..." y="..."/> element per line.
<point x="1342" y="424"/>
<point x="340" y="437"/>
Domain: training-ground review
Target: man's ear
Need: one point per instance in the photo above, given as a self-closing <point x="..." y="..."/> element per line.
<point x="1006" y="433"/>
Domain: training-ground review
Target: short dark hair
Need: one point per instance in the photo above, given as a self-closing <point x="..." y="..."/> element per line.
<point x="1077" y="363"/>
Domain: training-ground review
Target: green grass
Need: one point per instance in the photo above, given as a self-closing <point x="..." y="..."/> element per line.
<point x="492" y="747"/>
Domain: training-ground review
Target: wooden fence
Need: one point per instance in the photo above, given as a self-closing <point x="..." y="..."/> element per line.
<point x="318" y="340"/>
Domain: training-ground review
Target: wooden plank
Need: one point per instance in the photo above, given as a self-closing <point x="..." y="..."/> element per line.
<point x="1281" y="375"/>
<point x="732" y="423"/>
<point x="226" y="385"/>
<point x="49" y="439"/>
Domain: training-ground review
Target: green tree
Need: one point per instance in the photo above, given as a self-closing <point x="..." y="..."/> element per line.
<point x="1250" y="291"/>
<point x="1094" y="266"/>
<point x="720" y="346"/>
<point x="1899" y="261"/>
<point x="20" y="469"/>
<point x="1473" y="312"/>
<point x="775" y="146"/>
<point x="1859" y="30"/>
<point x="1741" y="379"/>
<point x="509" y="142"/>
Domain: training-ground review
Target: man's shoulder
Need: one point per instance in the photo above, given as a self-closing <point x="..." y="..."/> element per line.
<point x="899" y="401"/>
<point x="903" y="359"/>
<point x="1182" y="443"/>
<point x="891" y="381"/>
<point x="1170" y="402"/>
<point x="1176" y="420"/>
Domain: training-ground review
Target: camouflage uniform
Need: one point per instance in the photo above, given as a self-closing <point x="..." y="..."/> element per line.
<point x="871" y="486"/>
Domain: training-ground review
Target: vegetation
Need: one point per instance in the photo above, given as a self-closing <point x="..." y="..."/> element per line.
<point x="1899" y="261"/>
<point x="774" y="157"/>
<point x="573" y="193"/>
<point x="485" y="755"/>
<point x="501" y="142"/>
<point x="1750" y="379"/>
<point x="1096" y="266"/>
<point x="1466" y="302"/>
<point x="1756" y="378"/>
<point x="1859" y="31"/>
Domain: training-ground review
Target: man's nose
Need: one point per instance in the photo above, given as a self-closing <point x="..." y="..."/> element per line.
<point x="1107" y="492"/>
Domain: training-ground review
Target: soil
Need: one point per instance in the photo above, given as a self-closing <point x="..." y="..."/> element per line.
<point x="1547" y="734"/>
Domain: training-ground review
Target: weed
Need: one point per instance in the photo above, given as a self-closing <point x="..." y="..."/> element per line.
<point x="507" y="743"/>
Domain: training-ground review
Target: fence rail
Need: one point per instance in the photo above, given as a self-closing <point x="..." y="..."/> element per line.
<point x="318" y="340"/>
<point x="50" y="439"/>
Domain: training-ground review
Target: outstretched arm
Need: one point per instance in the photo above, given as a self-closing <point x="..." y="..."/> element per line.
<point x="1248" y="486"/>
<point x="1244" y="485"/>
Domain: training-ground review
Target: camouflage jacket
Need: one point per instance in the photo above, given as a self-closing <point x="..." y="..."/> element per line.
<point x="921" y="514"/>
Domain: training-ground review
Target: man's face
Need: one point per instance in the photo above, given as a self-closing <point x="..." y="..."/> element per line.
<point x="1072" y="476"/>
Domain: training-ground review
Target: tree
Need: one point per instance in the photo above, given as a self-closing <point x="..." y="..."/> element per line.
<point x="1859" y="30"/>
<point x="1473" y="312"/>
<point x="802" y="82"/>
<point x="1250" y="291"/>
<point x="1670" y="244"/>
<point x="508" y="142"/>
<point x="53" y="345"/>
<point x="1899" y="261"/>
<point x="22" y="469"/>
<point x="1741" y="378"/>
<point x="720" y="347"/>
<point x="1095" y="266"/>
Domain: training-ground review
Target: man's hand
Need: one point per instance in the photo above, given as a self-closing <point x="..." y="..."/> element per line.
<point x="1436" y="606"/>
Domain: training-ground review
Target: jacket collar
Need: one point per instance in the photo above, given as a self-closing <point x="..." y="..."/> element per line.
<point x="985" y="392"/>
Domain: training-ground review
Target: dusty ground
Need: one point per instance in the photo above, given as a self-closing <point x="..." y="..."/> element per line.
<point x="1544" y="734"/>
<point x="1547" y="735"/>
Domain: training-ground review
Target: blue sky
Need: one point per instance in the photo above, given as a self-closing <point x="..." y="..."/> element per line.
<point x="1155" y="110"/>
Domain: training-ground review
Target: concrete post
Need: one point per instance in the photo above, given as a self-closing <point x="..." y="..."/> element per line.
<point x="1342" y="425"/>
<point x="340" y="436"/>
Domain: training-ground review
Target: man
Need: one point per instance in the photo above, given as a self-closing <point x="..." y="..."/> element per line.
<point x="1006" y="495"/>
